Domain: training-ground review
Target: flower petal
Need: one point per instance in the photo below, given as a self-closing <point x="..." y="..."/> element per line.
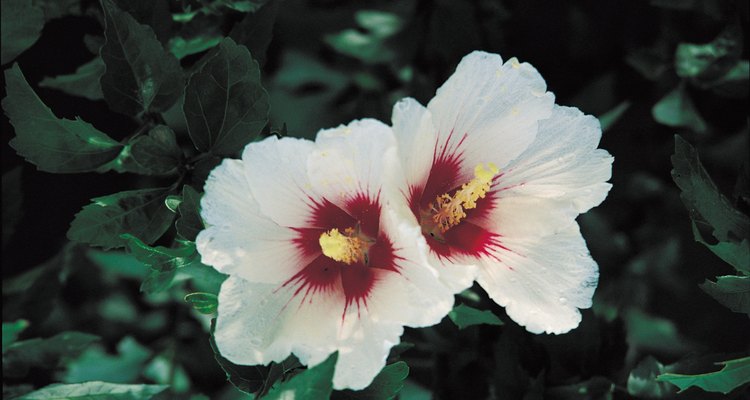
<point x="488" y="111"/>
<point x="352" y="160"/>
<point x="542" y="281"/>
<point x="237" y="238"/>
<point x="563" y="162"/>
<point x="277" y="173"/>
<point x="416" y="138"/>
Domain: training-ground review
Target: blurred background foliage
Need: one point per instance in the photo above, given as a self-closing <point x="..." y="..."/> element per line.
<point x="648" y="69"/>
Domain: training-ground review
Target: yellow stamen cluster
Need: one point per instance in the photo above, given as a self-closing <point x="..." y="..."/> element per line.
<point x="449" y="210"/>
<point x="344" y="248"/>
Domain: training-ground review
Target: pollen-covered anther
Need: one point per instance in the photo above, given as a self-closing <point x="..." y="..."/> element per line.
<point x="346" y="248"/>
<point x="449" y="210"/>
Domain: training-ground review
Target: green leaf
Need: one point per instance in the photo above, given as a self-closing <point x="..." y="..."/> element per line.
<point x="163" y="261"/>
<point x="96" y="365"/>
<point x="612" y="116"/>
<point x="138" y="212"/>
<point x="182" y="47"/>
<point x="731" y="291"/>
<point x="312" y="384"/>
<point x="154" y="13"/>
<point x="118" y="263"/>
<point x="650" y="333"/>
<point x="52" y="144"/>
<point x="702" y="197"/>
<point x="11" y="330"/>
<point x="386" y="385"/>
<point x="464" y="316"/>
<point x="44" y="353"/>
<point x="204" y="303"/>
<point x="82" y="83"/>
<point x="676" y="109"/>
<point x="642" y="380"/>
<point x="256" y="29"/>
<point x="189" y="222"/>
<point x="154" y="154"/>
<point x="709" y="61"/>
<point x="734" y="83"/>
<point x="204" y="278"/>
<point x="140" y="76"/>
<point x="163" y="370"/>
<point x="244" y="5"/>
<point x="95" y="390"/>
<point x="736" y="254"/>
<point x="21" y="26"/>
<point x="225" y="104"/>
<point x="734" y="374"/>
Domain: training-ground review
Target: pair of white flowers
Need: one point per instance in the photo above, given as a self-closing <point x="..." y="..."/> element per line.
<point x="337" y="244"/>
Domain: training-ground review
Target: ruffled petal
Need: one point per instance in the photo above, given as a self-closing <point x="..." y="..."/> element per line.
<point x="352" y="160"/>
<point x="563" y="164"/>
<point x="416" y="137"/>
<point x="276" y="170"/>
<point x="238" y="239"/>
<point x="542" y="281"/>
<point x="488" y="111"/>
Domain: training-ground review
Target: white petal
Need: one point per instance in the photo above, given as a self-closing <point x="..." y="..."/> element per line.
<point x="489" y="110"/>
<point x="414" y="296"/>
<point x="351" y="160"/>
<point x="363" y="353"/>
<point x="563" y="163"/>
<point x="542" y="281"/>
<point x="238" y="239"/>
<point x="258" y="323"/>
<point x="277" y="173"/>
<point x="416" y="138"/>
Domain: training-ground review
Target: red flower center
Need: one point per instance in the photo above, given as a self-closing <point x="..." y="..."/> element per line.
<point x="355" y="273"/>
<point x="451" y="211"/>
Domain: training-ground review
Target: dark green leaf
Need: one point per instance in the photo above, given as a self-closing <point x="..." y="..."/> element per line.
<point x="676" y="109"/>
<point x="706" y="62"/>
<point x="96" y="365"/>
<point x="140" y="76"/>
<point x="244" y="5"/>
<point x="255" y="30"/>
<point x="11" y="330"/>
<point x="655" y="334"/>
<point x="731" y="291"/>
<point x="189" y="222"/>
<point x="163" y="370"/>
<point x="154" y="13"/>
<point x="734" y="374"/>
<point x="204" y="303"/>
<point x="387" y="384"/>
<point x="182" y="47"/>
<point x="225" y="104"/>
<point x="596" y="388"/>
<point x="12" y="202"/>
<point x="312" y="384"/>
<point x="702" y="197"/>
<point x="163" y="262"/>
<point x="44" y="353"/>
<point x="83" y="83"/>
<point x="52" y="144"/>
<point x="118" y="263"/>
<point x="95" y="390"/>
<point x="642" y="380"/>
<point x="464" y="316"/>
<point x="21" y="26"/>
<point x="59" y="8"/>
<point x="612" y="116"/>
<point x="154" y="154"/>
<point x="734" y="253"/>
<point x="734" y="83"/>
<point x="138" y="212"/>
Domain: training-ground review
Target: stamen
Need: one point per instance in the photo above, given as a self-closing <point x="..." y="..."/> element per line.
<point x="449" y="210"/>
<point x="346" y="248"/>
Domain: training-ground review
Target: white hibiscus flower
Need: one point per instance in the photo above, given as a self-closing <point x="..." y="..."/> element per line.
<point x="318" y="260"/>
<point x="496" y="174"/>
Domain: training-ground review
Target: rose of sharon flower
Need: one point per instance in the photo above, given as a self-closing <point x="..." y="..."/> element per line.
<point x="317" y="259"/>
<point x="496" y="174"/>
